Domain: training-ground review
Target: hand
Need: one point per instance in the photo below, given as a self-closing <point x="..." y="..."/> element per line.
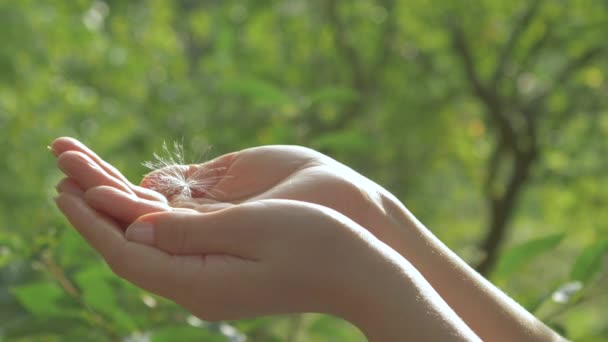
<point x="233" y="263"/>
<point x="290" y="172"/>
<point x="283" y="171"/>
<point x="324" y="263"/>
<point x="269" y="257"/>
<point x="297" y="173"/>
<point x="96" y="192"/>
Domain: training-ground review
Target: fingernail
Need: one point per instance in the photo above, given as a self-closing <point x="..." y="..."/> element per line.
<point x="50" y="149"/>
<point x="141" y="232"/>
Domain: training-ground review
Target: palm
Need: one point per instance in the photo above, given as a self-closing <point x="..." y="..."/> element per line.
<point x="290" y="172"/>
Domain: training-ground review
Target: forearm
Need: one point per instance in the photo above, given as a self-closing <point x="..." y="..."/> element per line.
<point x="487" y="310"/>
<point x="398" y="304"/>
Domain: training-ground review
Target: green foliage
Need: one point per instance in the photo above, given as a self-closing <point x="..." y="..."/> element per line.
<point x="589" y="262"/>
<point x="516" y="257"/>
<point x="383" y="86"/>
<point x="99" y="296"/>
<point x="41" y="298"/>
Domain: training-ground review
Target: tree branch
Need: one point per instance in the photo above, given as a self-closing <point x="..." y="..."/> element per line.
<point x="364" y="79"/>
<point x="194" y="47"/>
<point x="567" y="72"/>
<point x="388" y="31"/>
<point x="343" y="44"/>
<point x="461" y="46"/>
<point x="525" y="19"/>
<point x="536" y="47"/>
<point x="502" y="209"/>
<point x="487" y="96"/>
<point x="521" y="145"/>
<point x="498" y="154"/>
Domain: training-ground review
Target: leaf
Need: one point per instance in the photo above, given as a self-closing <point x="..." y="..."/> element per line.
<point x="40" y="298"/>
<point x="38" y="327"/>
<point x="264" y="327"/>
<point x="100" y="296"/>
<point x="328" y="328"/>
<point x="589" y="262"/>
<point x="73" y="250"/>
<point x="260" y="91"/>
<point x="518" y="256"/>
<point x="337" y="94"/>
<point x="346" y="140"/>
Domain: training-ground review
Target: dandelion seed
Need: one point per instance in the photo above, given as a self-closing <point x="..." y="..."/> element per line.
<point x="174" y="179"/>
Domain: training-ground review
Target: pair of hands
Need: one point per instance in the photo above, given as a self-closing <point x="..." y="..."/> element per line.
<point x="281" y="229"/>
<point x="284" y="229"/>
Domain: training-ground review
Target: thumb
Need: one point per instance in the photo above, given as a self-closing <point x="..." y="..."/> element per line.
<point x="235" y="231"/>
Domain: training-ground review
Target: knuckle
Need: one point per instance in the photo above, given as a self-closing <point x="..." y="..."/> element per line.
<point x="139" y="204"/>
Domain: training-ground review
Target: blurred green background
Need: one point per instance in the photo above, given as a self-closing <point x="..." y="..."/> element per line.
<point x="487" y="118"/>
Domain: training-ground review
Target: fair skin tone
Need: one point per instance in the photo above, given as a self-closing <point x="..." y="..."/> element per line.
<point x="249" y="194"/>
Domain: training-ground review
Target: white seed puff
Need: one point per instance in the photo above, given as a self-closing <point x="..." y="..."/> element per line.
<point x="175" y="179"/>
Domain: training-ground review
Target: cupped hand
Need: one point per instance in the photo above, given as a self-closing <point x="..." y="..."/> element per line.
<point x="243" y="257"/>
<point x="259" y="258"/>
<point x="291" y="172"/>
<point x="267" y="172"/>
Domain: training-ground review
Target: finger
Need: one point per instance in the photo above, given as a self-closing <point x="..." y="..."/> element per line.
<point x="147" y="193"/>
<point x="120" y="205"/>
<point x="238" y="231"/>
<point x="147" y="267"/>
<point x="69" y="186"/>
<point x="198" y="204"/>
<point x="209" y="208"/>
<point x="65" y="144"/>
<point x="86" y="173"/>
<point x="184" y="202"/>
<point x="204" y="208"/>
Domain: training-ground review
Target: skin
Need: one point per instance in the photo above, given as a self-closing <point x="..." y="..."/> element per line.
<point x="300" y="175"/>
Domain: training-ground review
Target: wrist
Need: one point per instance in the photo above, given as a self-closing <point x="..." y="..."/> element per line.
<point x="460" y="285"/>
<point x="397" y="303"/>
